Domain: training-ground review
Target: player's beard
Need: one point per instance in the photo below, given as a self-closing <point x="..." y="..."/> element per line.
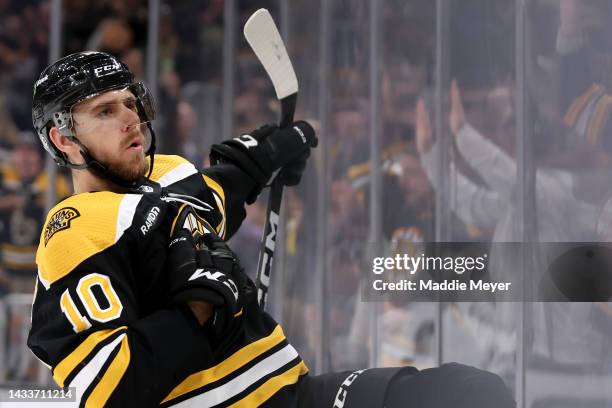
<point x="126" y="165"/>
<point x="130" y="171"/>
<point x="135" y="168"/>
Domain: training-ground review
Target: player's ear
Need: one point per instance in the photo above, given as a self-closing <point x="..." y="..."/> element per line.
<point x="64" y="144"/>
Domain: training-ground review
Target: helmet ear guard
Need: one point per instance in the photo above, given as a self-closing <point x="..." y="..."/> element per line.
<point x="63" y="122"/>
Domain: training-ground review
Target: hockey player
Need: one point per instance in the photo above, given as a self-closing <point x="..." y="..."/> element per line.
<point x="138" y="300"/>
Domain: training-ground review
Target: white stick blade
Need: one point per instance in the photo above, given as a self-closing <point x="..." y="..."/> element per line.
<point x="262" y="35"/>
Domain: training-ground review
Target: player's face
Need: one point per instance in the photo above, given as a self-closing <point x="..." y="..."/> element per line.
<point x="110" y="127"/>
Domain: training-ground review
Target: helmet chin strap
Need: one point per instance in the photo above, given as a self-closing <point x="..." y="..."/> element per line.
<point x="104" y="171"/>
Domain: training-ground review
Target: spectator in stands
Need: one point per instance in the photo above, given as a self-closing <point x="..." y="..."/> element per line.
<point x="24" y="185"/>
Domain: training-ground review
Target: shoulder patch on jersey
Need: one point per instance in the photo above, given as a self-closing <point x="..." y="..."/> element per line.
<point x="168" y="169"/>
<point x="89" y="223"/>
<point x="59" y="221"/>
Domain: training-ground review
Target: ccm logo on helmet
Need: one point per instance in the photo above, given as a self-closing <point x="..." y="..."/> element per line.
<point x="100" y="71"/>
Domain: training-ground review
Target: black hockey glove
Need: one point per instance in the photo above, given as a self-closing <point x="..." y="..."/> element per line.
<point x="269" y="149"/>
<point x="202" y="267"/>
<point x="216" y="255"/>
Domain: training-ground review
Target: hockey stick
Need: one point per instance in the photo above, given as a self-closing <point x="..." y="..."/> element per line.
<point x="265" y="40"/>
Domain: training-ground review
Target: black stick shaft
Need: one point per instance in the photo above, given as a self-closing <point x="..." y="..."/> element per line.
<point x="268" y="242"/>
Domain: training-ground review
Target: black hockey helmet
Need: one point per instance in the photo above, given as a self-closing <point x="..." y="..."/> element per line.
<point x="73" y="79"/>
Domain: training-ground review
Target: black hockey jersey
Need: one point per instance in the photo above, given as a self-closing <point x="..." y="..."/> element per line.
<point x="99" y="317"/>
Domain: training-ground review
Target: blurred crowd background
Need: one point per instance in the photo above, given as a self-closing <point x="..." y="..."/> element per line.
<point x="450" y="120"/>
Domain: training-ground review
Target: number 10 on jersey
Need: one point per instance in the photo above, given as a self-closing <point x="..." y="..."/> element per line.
<point x="95" y="311"/>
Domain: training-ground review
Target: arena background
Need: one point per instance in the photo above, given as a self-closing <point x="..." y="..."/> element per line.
<point x="530" y="76"/>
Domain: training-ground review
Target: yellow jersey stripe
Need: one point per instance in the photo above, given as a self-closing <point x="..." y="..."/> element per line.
<point x="164" y="164"/>
<point x="26" y="249"/>
<point x="580" y="103"/>
<point x="215" y="187"/>
<point x="18" y="258"/>
<point x="241" y="384"/>
<point x="229" y="365"/>
<point x="271" y="387"/>
<point x="220" y="195"/>
<point x="63" y="369"/>
<point x="599" y="119"/>
<point x="176" y="218"/>
<point x="111" y="377"/>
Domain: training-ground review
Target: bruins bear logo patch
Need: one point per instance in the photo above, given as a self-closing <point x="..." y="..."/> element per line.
<point x="59" y="221"/>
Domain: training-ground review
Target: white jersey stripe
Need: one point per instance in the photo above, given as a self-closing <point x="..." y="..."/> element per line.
<point x="237" y="385"/>
<point x="88" y="373"/>
<point x="44" y="282"/>
<point x="127" y="209"/>
<point x="178" y="173"/>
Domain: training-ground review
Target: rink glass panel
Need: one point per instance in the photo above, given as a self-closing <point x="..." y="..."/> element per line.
<point x="348" y="130"/>
<point x="190" y="77"/>
<point x="295" y="294"/>
<point x="568" y="57"/>
<point x="252" y="103"/>
<point x="405" y="200"/>
<point x="477" y="83"/>
<point x="25" y="47"/>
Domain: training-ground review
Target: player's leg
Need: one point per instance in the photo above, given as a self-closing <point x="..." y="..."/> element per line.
<point x="450" y="385"/>
<point x="349" y="389"/>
